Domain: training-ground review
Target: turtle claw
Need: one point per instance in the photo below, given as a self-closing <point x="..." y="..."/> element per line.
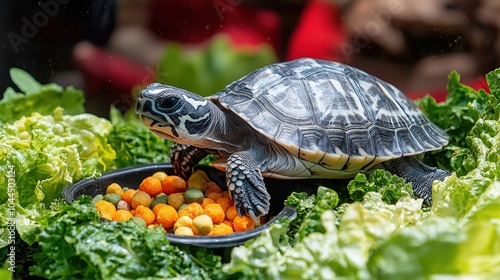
<point x="247" y="189"/>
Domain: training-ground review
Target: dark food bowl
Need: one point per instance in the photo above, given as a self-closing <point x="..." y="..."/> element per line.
<point x="131" y="177"/>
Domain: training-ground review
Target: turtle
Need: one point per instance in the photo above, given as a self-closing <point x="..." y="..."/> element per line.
<point x="299" y="119"/>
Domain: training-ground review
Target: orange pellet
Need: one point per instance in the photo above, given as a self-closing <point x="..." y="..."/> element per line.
<point x="231" y="213"/>
<point x="107" y="209"/>
<point x="227" y="222"/>
<point x="243" y="223"/>
<point x="214" y="195"/>
<point x="172" y="184"/>
<point x="212" y="187"/>
<point x="225" y="202"/>
<point x="146" y="214"/>
<point x="206" y="201"/>
<point x="226" y="194"/>
<point x="222" y="229"/>
<point x="167" y="216"/>
<point x="192" y="210"/>
<point x="215" y="212"/>
<point x="151" y="185"/>
<point x="127" y="196"/>
<point x="158" y="207"/>
<point x="122" y="216"/>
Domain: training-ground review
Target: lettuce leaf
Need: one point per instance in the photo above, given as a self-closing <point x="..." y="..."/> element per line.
<point x="50" y="152"/>
<point x="457" y="115"/>
<point x="340" y="249"/>
<point x="477" y="164"/>
<point x="441" y="247"/>
<point x="76" y="244"/>
<point x="390" y="186"/>
<point x="36" y="97"/>
<point x="39" y="156"/>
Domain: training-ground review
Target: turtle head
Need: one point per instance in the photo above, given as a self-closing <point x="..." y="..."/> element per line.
<point x="174" y="113"/>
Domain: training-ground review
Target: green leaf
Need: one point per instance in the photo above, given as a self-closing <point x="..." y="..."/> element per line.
<point x="5" y="274"/>
<point x="209" y="69"/>
<point x="493" y="79"/>
<point x="137" y="145"/>
<point x="24" y="81"/>
<point x="76" y="244"/>
<point x="43" y="154"/>
<point x="457" y="115"/>
<point x="390" y="186"/>
<point x="326" y="199"/>
<point x="43" y="99"/>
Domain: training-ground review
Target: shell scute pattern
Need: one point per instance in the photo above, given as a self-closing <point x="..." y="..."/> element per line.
<point x="331" y="114"/>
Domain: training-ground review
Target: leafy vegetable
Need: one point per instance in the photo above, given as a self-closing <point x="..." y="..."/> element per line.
<point x="76" y="244"/>
<point x="39" y="156"/>
<point x="441" y="247"/>
<point x="5" y="274"/>
<point x="206" y="71"/>
<point x="457" y="115"/>
<point x="303" y="204"/>
<point x="390" y="186"/>
<point x="47" y="153"/>
<point x="477" y="165"/>
<point x="341" y="249"/>
<point x="37" y="98"/>
<point x="326" y="199"/>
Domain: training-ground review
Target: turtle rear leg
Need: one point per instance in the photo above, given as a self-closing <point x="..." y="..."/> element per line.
<point x="184" y="158"/>
<point x="246" y="185"/>
<point x="420" y="175"/>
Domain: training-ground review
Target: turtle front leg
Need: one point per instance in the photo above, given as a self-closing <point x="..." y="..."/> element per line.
<point x="246" y="185"/>
<point x="184" y="158"/>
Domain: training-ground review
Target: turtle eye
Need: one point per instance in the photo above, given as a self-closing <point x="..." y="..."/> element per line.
<point x="170" y="103"/>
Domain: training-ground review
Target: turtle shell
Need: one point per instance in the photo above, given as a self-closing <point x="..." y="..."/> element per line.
<point x="331" y="114"/>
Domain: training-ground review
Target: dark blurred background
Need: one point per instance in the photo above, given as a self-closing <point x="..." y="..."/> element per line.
<point x="108" y="47"/>
<point x="41" y="40"/>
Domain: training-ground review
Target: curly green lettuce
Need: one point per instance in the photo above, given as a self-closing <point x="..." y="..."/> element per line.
<point x="309" y="208"/>
<point x="49" y="152"/>
<point x="76" y="244"/>
<point x="457" y="115"/>
<point x="477" y="164"/>
<point x="39" y="156"/>
<point x="390" y="186"/>
<point x="341" y="249"/>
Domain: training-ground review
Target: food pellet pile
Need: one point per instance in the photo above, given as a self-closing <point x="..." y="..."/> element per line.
<point x="196" y="207"/>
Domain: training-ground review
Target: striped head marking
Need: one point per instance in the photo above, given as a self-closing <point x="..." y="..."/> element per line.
<point x="173" y="113"/>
